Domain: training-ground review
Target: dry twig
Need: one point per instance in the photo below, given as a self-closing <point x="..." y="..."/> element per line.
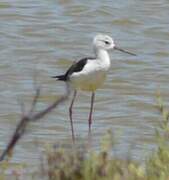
<point x="31" y="116"/>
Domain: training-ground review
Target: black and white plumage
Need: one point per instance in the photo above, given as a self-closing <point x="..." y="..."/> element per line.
<point x="76" y="67"/>
<point x="88" y="74"/>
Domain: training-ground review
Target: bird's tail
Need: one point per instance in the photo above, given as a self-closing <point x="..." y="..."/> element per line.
<point x="60" y="78"/>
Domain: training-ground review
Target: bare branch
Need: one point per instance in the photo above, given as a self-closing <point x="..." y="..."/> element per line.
<point x="31" y="116"/>
<point x="35" y="100"/>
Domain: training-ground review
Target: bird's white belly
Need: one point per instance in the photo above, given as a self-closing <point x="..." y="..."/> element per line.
<point x="88" y="81"/>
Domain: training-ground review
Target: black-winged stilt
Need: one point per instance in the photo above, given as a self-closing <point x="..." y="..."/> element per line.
<point x="88" y="74"/>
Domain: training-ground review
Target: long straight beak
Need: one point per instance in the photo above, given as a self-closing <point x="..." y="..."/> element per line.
<point x="122" y="50"/>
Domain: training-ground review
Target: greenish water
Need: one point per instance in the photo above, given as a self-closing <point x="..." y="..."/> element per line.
<point x="41" y="38"/>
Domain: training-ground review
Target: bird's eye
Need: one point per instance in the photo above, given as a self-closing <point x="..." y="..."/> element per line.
<point x="107" y="42"/>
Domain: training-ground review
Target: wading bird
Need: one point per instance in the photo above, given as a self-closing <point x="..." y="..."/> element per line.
<point x="88" y="74"/>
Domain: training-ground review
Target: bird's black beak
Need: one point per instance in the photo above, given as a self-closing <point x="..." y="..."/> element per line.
<point x="122" y="50"/>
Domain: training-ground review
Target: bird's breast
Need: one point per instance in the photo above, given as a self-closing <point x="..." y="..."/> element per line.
<point x="89" y="81"/>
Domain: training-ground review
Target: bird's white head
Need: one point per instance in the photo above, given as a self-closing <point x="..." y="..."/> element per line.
<point x="105" y="42"/>
<point x="102" y="41"/>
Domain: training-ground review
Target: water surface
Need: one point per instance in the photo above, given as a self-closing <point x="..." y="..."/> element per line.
<point x="41" y="38"/>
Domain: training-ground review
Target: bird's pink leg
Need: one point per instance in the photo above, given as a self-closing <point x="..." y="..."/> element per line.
<point x="91" y="111"/>
<point x="70" y="115"/>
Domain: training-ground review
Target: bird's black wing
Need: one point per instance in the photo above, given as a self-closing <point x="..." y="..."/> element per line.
<point x="76" y="67"/>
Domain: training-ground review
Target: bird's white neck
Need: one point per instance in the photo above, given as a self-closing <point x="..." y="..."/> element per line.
<point x="103" y="56"/>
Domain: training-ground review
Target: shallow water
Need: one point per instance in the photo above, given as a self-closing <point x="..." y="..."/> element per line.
<point x="42" y="38"/>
